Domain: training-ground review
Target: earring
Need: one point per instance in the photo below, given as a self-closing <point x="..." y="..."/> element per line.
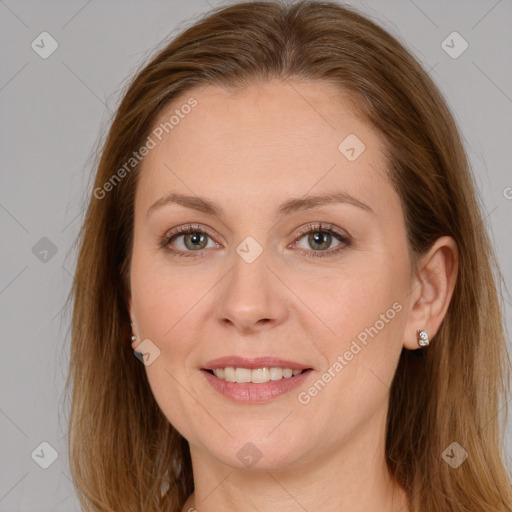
<point x="134" y="338"/>
<point x="423" y="339"/>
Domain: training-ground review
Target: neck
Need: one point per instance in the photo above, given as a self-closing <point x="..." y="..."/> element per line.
<point x="351" y="477"/>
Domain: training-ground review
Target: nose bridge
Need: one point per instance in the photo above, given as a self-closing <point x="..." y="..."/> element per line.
<point x="250" y="294"/>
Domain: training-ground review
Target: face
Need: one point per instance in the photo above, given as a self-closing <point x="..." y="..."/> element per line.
<point x="269" y="279"/>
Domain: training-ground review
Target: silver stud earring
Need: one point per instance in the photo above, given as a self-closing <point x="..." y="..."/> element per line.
<point x="134" y="338"/>
<point x="423" y="339"/>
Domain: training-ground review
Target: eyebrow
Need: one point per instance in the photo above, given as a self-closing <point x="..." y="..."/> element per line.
<point x="290" y="206"/>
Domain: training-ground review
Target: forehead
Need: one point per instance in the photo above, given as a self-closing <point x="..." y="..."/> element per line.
<point x="272" y="138"/>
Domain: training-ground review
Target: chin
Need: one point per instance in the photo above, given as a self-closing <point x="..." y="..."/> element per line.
<point x="259" y="452"/>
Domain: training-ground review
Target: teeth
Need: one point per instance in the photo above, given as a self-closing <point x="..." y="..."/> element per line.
<point x="243" y="375"/>
<point x="260" y="375"/>
<point x="276" y="373"/>
<point x="257" y="376"/>
<point x="229" y="374"/>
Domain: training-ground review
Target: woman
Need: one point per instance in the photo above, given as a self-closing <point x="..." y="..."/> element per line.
<point x="285" y="232"/>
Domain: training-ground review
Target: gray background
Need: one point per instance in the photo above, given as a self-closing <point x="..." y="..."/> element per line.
<point x="55" y="110"/>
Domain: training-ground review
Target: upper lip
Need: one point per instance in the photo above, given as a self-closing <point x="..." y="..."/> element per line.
<point x="253" y="363"/>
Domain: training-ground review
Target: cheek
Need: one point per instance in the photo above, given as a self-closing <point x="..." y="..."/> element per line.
<point x="163" y="305"/>
<point x="359" y="313"/>
<point x="360" y="300"/>
<point x="164" y="298"/>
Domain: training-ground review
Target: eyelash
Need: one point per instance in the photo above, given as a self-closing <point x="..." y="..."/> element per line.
<point x="310" y="228"/>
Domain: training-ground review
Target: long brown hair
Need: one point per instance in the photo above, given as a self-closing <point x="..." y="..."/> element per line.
<point x="124" y="454"/>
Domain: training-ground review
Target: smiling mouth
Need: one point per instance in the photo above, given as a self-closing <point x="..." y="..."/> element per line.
<point x="256" y="375"/>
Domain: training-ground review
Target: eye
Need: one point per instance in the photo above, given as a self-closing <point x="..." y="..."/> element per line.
<point x="194" y="239"/>
<point x="320" y="238"/>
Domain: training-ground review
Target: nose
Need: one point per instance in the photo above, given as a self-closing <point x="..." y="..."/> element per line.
<point x="253" y="298"/>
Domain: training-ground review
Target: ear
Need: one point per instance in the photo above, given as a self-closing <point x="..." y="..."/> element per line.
<point x="431" y="290"/>
<point x="133" y="325"/>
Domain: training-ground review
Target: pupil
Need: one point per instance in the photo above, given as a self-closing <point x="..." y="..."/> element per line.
<point x="195" y="239"/>
<point x="321" y="239"/>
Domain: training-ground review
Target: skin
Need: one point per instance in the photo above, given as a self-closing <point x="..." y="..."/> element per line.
<point x="250" y="152"/>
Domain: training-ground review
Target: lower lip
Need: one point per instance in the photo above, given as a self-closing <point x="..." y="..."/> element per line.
<point x="249" y="392"/>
